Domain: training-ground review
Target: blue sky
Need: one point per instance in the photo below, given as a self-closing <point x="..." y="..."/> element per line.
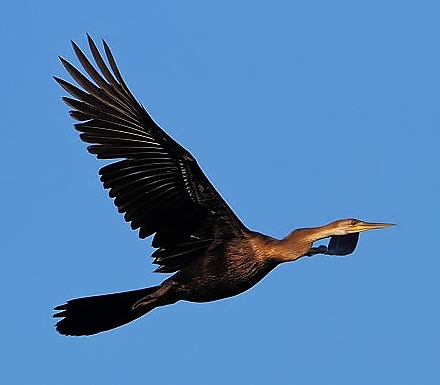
<point x="300" y="113"/>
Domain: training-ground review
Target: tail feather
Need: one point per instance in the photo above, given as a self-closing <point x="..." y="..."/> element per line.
<point x="91" y="315"/>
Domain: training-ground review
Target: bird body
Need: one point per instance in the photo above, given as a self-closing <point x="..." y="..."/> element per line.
<point x="161" y="190"/>
<point x="227" y="269"/>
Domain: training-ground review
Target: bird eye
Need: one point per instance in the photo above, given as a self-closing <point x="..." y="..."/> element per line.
<point x="354" y="222"/>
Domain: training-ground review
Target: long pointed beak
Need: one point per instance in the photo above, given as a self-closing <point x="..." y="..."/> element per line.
<point x="364" y="226"/>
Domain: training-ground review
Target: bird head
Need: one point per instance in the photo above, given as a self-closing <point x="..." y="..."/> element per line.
<point x="351" y="225"/>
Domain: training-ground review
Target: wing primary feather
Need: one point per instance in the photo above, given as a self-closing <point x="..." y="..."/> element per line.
<point x="114" y="67"/>
<point x="100" y="127"/>
<point x="90" y="69"/>
<point x="100" y="61"/>
<point x="83" y="81"/>
<point x="131" y="102"/>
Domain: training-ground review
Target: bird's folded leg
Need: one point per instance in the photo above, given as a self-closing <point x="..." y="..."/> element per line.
<point x="152" y="298"/>
<point x="317" y="250"/>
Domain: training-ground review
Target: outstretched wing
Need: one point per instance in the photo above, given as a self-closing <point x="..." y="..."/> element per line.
<point x="157" y="184"/>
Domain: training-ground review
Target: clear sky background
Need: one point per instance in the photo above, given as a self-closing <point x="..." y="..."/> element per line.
<point x="300" y="113"/>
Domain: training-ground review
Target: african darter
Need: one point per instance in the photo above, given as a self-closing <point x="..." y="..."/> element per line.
<point x="161" y="190"/>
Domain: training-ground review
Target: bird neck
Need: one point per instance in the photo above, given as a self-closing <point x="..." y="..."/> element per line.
<point x="298" y="242"/>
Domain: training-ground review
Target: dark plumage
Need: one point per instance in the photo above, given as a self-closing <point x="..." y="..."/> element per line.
<point x="161" y="190"/>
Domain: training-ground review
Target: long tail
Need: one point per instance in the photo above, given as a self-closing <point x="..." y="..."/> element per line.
<point x="91" y="315"/>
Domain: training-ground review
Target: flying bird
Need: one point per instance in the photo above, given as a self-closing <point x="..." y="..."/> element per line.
<point x="161" y="190"/>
